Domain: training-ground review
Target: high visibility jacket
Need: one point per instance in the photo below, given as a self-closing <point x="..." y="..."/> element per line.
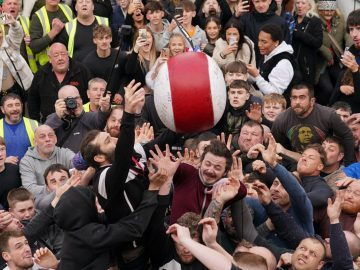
<point x="30" y="126"/>
<point x="86" y="107"/>
<point x="71" y="31"/>
<point x="25" y="23"/>
<point x="42" y="57"/>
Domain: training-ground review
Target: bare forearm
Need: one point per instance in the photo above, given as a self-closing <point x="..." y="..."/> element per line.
<point x="212" y="259"/>
<point x="214" y="210"/>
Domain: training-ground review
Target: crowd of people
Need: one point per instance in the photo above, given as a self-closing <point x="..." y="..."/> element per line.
<point x="91" y="178"/>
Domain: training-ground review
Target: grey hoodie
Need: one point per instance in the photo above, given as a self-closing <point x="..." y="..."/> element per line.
<point x="32" y="167"/>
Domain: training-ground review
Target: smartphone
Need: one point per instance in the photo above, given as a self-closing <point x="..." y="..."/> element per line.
<point x="232" y="40"/>
<point x="179" y="12"/>
<point x="3" y="18"/>
<point x="165" y="52"/>
<point x="142" y="33"/>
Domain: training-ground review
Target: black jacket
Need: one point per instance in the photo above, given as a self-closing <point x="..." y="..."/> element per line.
<point x="87" y="242"/>
<point x="253" y="21"/>
<point x="44" y="89"/>
<point x="307" y="39"/>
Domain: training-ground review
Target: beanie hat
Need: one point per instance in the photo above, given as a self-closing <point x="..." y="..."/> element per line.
<point x="327" y="5"/>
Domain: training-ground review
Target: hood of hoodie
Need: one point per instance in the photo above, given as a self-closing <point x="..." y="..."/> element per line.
<point x="283" y="47"/>
<point x="265" y="16"/>
<point x="75" y="209"/>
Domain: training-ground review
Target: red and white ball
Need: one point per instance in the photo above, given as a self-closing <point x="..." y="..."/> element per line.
<point x="190" y="93"/>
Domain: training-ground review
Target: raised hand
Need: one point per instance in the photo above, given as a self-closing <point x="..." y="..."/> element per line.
<point x="348" y="60"/>
<point x="255" y="150"/>
<point x="242" y="7"/>
<point x="334" y="208"/>
<point x="222" y="139"/>
<point x="189" y="157"/>
<point x="255" y="112"/>
<point x="104" y="102"/>
<point x="157" y="179"/>
<point x="159" y="160"/>
<point x="45" y="258"/>
<point x="134" y="97"/>
<point x="5" y="219"/>
<point x="144" y="134"/>
<point x="73" y="181"/>
<point x="236" y="170"/>
<point x="269" y="155"/>
<point x="259" y="165"/>
<point x="285" y="259"/>
<point x="209" y="232"/>
<point x="263" y="192"/>
<point x="179" y="233"/>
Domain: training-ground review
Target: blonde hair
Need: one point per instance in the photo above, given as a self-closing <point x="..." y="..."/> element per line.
<point x="175" y="35"/>
<point x="313" y="9"/>
<point x="152" y="52"/>
<point x="275" y="98"/>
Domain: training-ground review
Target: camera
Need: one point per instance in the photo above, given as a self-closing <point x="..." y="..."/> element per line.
<point x="70" y="103"/>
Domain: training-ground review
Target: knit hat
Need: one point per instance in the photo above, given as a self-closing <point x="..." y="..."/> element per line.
<point x="327" y="5"/>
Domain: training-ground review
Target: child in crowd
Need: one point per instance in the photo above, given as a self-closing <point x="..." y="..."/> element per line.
<point x="237" y="71"/>
<point x="197" y="35"/>
<point x="273" y="105"/>
<point x="239" y="108"/>
<point x="159" y="26"/>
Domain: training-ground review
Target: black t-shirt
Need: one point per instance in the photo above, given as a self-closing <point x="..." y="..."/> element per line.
<point x="9" y="179"/>
<point x="101" y="67"/>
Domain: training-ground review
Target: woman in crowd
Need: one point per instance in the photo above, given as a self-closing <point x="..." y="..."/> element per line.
<point x="329" y="54"/>
<point x="176" y="46"/>
<point x="212" y="29"/>
<point x="307" y="38"/>
<point x="15" y="74"/>
<point x="234" y="45"/>
<point x="276" y="69"/>
<point x="142" y="57"/>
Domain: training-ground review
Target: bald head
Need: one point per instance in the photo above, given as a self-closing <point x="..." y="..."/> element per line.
<point x="59" y="58"/>
<point x="45" y="140"/>
<point x="261" y="251"/>
<point x="68" y="91"/>
<point x="71" y="92"/>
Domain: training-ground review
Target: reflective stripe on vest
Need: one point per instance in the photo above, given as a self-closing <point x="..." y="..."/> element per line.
<point x="30" y="126"/>
<point x="71" y="31"/>
<point x="86" y="107"/>
<point x="25" y="23"/>
<point x="42" y="57"/>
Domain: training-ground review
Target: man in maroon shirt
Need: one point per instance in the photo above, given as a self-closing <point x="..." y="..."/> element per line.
<point x="192" y="186"/>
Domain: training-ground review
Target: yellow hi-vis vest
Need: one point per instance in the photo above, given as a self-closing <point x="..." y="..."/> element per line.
<point x="42" y="57"/>
<point x="71" y="31"/>
<point x="25" y="23"/>
<point x="30" y="126"/>
<point x="86" y="107"/>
